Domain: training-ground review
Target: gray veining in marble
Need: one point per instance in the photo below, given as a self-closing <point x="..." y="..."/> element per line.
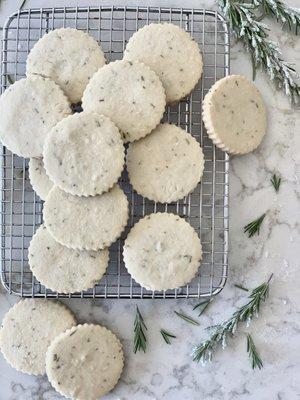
<point x="167" y="372"/>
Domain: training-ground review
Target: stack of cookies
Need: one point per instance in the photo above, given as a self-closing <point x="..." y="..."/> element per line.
<point x="76" y="160"/>
<point x="81" y="361"/>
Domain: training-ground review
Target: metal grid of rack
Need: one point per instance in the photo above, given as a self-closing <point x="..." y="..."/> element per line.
<point x="206" y="208"/>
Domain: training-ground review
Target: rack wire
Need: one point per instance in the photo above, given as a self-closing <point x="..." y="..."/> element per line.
<point x="206" y="208"/>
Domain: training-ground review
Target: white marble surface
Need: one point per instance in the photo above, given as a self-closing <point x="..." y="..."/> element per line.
<point x="167" y="372"/>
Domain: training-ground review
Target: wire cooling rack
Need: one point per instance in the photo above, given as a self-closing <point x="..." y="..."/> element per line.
<point x="206" y="208"/>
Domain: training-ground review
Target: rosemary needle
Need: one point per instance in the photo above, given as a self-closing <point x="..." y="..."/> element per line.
<point x="254" y="226"/>
<point x="186" y="318"/>
<point x="241" y="287"/>
<point x="276" y="181"/>
<point x="23" y="4"/>
<point x="167" y="336"/>
<point x="10" y="79"/>
<point x="201" y="307"/>
<point x="256" y="361"/>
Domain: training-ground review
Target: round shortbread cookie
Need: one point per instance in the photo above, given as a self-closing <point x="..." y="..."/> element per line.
<point x="84" y="154"/>
<point x="90" y="223"/>
<point x="170" y="52"/>
<point x="27" y="331"/>
<point x="69" y="57"/>
<point x="61" y="269"/>
<point x="234" y="115"/>
<point x="29" y="109"/>
<point x="166" y="165"/>
<point x="39" y="180"/>
<point x="85" y="362"/>
<point x="130" y="94"/>
<point x="162" y="251"/>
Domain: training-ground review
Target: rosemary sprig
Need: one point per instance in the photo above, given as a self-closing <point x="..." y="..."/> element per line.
<point x="139" y="335"/>
<point x="201" y="307"/>
<point x="264" y="52"/>
<point x="256" y="361"/>
<point x="219" y="333"/>
<point x="186" y="318"/>
<point x="282" y="12"/>
<point x="276" y="181"/>
<point x="254" y="226"/>
<point x="167" y="336"/>
<point x="241" y="287"/>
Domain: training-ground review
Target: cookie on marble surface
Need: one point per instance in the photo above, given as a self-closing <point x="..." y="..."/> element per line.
<point x="85" y="362"/>
<point x="171" y="53"/>
<point x="89" y="223"/>
<point x="162" y="251"/>
<point x="166" y="165"/>
<point x="130" y="94"/>
<point x="235" y="115"/>
<point x="69" y="57"/>
<point x="84" y="154"/>
<point x="28" y="329"/>
<point x="39" y="179"/>
<point x="62" y="269"/>
<point x="29" y="109"/>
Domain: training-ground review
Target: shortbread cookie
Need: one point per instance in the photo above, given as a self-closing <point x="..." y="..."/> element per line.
<point x="166" y="165"/>
<point x="28" y="329"/>
<point x="62" y="269"/>
<point x="84" y="154"/>
<point x="29" y="109"/>
<point x="85" y="362"/>
<point x="234" y="115"/>
<point x="39" y="180"/>
<point x="69" y="57"/>
<point x="170" y="52"/>
<point x="162" y="251"/>
<point x="130" y="94"/>
<point x="90" y="223"/>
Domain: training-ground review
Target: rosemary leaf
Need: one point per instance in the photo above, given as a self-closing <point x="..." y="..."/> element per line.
<point x="254" y="35"/>
<point x="140" y="341"/>
<point x="241" y="287"/>
<point x="256" y="361"/>
<point x="186" y="318"/>
<point x="276" y="181"/>
<point x="201" y="307"/>
<point x="167" y="336"/>
<point x="219" y="333"/>
<point x="254" y="226"/>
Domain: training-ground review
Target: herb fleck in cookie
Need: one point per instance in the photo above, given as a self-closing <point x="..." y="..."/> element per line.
<point x="166" y="165"/>
<point x="234" y="115"/>
<point x="28" y="111"/>
<point x="170" y="52"/>
<point x="85" y="362"/>
<point x="90" y="223"/>
<point x="130" y="94"/>
<point x="84" y="154"/>
<point x="69" y="57"/>
<point x="28" y="329"/>
<point x="39" y="179"/>
<point x="62" y="269"/>
<point x="162" y="251"/>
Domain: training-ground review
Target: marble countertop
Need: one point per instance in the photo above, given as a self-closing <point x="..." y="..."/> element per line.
<point x="167" y="372"/>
